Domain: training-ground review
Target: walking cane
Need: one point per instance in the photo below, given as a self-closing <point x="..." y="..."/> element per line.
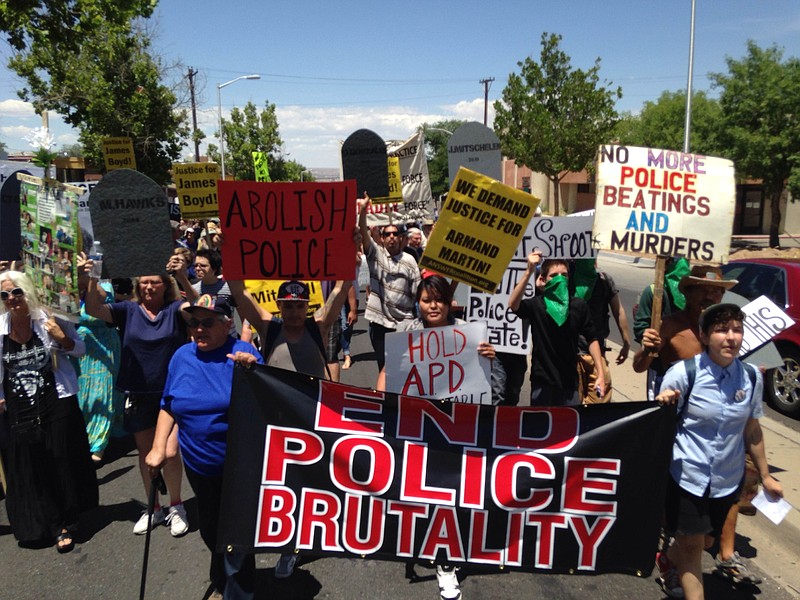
<point x="156" y="485"/>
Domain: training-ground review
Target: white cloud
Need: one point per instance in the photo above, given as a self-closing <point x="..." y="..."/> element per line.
<point x="16" y="109"/>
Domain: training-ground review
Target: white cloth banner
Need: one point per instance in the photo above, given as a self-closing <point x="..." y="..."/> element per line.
<point x="417" y="201"/>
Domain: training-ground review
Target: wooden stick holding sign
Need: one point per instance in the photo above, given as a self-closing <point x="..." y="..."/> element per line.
<point x="658" y="295"/>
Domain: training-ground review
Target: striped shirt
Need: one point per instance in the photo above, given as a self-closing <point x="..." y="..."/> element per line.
<point x="393" y="282"/>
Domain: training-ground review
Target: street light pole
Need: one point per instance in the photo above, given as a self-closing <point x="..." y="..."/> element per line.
<point x="219" y="117"/>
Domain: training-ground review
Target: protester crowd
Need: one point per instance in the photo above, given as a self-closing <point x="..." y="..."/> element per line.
<point x="154" y="357"/>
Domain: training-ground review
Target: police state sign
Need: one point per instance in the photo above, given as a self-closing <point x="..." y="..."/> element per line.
<point x="664" y="203"/>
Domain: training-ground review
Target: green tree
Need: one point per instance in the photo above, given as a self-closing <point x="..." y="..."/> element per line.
<point x="552" y="117"/>
<point x="249" y="131"/>
<point x="109" y="86"/>
<point x="436" y="152"/>
<point x="74" y="150"/>
<point x="661" y="124"/>
<point x="33" y="25"/>
<point x="760" y="99"/>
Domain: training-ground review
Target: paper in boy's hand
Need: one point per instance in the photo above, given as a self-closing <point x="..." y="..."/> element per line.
<point x="775" y="509"/>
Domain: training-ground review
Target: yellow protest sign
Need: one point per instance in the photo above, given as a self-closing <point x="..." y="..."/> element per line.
<point x="479" y="229"/>
<point x="265" y="292"/>
<point x="261" y="166"/>
<point x="196" y="184"/>
<point x="118" y="153"/>
<point x="395" y="182"/>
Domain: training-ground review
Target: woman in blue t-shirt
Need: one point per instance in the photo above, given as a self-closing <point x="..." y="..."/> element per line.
<point x="152" y="330"/>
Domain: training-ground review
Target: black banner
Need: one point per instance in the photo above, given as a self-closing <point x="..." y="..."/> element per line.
<point x="339" y="470"/>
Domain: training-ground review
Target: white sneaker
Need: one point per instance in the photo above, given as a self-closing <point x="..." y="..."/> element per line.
<point x="285" y="566"/>
<point x="141" y="525"/>
<point x="176" y="519"/>
<point x="449" y="588"/>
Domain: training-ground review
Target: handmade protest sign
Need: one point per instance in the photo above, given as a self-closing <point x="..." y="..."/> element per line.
<point x="439" y="362"/>
<point x="476" y="147"/>
<point x="479" y="229"/>
<point x="664" y="203"/>
<point x="299" y="230"/>
<point x="118" y="153"/>
<point x="416" y="203"/>
<point x="334" y="470"/>
<point x="763" y="321"/>
<point x="196" y="185"/>
<point x="395" y="185"/>
<point x="364" y="160"/>
<point x="261" y="166"/>
<point x="265" y="293"/>
<point x="50" y="240"/>
<point x="130" y="217"/>
<point x="556" y="237"/>
<point x="10" y="240"/>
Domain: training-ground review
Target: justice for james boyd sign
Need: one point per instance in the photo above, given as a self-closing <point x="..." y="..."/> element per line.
<point x="664" y="203"/>
<point x="300" y="230"/>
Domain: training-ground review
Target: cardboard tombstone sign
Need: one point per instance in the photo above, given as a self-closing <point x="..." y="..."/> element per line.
<point x="364" y="159"/>
<point x="130" y="217"/>
<point x="476" y="147"/>
<point x="10" y="242"/>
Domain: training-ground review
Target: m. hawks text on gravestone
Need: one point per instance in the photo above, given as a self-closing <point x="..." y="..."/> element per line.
<point x="130" y="217"/>
<point x="364" y="160"/>
<point x="300" y="230"/>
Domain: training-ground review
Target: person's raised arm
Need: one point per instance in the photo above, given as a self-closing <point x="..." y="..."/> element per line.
<point x="178" y="267"/>
<point x="247" y="306"/>
<point x="366" y="238"/>
<point x="515" y="299"/>
<point x="326" y="314"/>
<point x="96" y="298"/>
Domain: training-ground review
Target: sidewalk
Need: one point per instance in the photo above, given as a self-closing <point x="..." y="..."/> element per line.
<point x="775" y="549"/>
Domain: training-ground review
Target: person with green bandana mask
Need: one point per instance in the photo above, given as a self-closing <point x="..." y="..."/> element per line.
<point x="674" y="270"/>
<point x="556" y="322"/>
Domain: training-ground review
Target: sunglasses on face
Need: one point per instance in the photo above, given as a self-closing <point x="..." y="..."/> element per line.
<point x="17" y="292"/>
<point x="207" y="323"/>
<point x="201" y="266"/>
<point x="390" y="234"/>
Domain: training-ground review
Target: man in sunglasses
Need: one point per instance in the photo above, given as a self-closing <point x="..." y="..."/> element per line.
<point x="393" y="280"/>
<point x="196" y="398"/>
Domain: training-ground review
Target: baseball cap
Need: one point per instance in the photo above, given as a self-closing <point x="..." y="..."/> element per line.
<point x="217" y="304"/>
<point x="293" y="291"/>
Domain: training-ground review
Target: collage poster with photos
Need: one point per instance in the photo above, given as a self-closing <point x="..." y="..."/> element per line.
<point x="50" y="240"/>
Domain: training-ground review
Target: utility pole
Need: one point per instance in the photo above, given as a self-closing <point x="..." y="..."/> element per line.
<point x="487" y="83"/>
<point x="192" y="73"/>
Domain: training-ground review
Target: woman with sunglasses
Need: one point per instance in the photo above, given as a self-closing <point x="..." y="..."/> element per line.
<point x="152" y="330"/>
<point x="51" y="479"/>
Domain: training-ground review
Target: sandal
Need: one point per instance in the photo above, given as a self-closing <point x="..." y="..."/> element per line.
<point x="64" y="542"/>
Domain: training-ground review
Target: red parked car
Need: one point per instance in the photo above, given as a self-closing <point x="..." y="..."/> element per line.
<point x="779" y="280"/>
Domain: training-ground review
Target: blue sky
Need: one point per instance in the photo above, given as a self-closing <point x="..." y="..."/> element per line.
<point x="334" y="67"/>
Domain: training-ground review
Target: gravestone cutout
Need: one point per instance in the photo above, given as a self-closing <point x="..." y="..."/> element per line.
<point x="130" y="217"/>
<point x="364" y="159"/>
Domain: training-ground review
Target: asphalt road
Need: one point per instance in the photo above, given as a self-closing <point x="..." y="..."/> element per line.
<point x="107" y="562"/>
